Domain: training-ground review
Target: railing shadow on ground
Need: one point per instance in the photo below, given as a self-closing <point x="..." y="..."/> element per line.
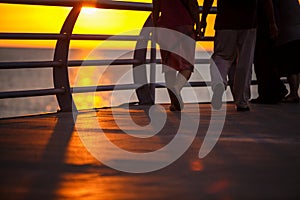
<point x="53" y="159"/>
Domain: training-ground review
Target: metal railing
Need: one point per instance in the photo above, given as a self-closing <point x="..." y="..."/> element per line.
<point x="60" y="62"/>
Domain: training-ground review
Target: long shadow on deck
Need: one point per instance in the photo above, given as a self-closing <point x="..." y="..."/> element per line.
<point x="53" y="159"/>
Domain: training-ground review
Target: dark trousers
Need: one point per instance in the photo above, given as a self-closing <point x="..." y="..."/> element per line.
<point x="270" y="88"/>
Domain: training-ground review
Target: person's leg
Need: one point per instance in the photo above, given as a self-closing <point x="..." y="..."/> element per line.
<point x="272" y="88"/>
<point x="170" y="78"/>
<point x="290" y="60"/>
<point x="293" y="80"/>
<point x="222" y="59"/>
<point x="262" y="69"/>
<point x="181" y="79"/>
<point x="243" y="72"/>
<point x="231" y="78"/>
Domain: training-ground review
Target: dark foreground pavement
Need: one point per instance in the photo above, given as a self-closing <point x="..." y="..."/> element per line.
<point x="256" y="157"/>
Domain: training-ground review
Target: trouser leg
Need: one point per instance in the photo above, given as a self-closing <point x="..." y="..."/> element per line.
<point x="293" y="81"/>
<point x="182" y="78"/>
<point x="243" y="70"/>
<point x="170" y="78"/>
<point x="223" y="57"/>
<point x="231" y="78"/>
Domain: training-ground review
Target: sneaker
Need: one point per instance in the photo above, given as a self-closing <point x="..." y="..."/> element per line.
<point x="216" y="100"/>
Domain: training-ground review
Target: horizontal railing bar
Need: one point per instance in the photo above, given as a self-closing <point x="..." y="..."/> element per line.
<point x="103" y="88"/>
<point x="135" y="86"/>
<point x="202" y="83"/>
<point x="31" y="93"/>
<point x="31" y="36"/>
<point x="120" y="5"/>
<point x="206" y="39"/>
<point x="197" y="61"/>
<point x="53" y="36"/>
<point x="122" y="37"/>
<point x="105" y="4"/>
<point x="44" y="92"/>
<point x="37" y="64"/>
<point x="190" y="84"/>
<point x="76" y="63"/>
<point x="105" y="37"/>
<point x="202" y="61"/>
<point x="50" y="36"/>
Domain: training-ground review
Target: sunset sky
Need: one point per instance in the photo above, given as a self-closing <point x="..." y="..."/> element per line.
<point x="49" y="19"/>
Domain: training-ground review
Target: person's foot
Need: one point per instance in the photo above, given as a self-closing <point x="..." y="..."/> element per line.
<point x="291" y="99"/>
<point x="242" y="109"/>
<point x="216" y="100"/>
<point x="176" y="99"/>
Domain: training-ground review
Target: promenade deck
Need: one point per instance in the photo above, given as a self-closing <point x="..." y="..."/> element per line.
<point x="256" y="157"/>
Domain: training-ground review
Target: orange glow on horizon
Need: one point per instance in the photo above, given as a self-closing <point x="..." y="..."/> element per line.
<point x="49" y="19"/>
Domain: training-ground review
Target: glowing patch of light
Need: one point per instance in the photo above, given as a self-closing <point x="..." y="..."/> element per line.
<point x="88" y="10"/>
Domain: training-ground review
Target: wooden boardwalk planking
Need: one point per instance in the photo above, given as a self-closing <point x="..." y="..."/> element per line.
<point x="256" y="157"/>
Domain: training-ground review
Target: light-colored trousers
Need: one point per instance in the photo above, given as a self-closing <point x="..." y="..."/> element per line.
<point x="233" y="58"/>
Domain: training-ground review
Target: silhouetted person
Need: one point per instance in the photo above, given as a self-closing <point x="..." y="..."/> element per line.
<point x="179" y="16"/>
<point x="235" y="32"/>
<point x="288" y="19"/>
<point x="271" y="89"/>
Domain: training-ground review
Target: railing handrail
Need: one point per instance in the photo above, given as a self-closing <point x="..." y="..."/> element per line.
<point x="105" y="4"/>
<point x="55" y="36"/>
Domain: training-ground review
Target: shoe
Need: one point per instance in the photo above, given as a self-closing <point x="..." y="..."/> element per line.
<point x="290" y="99"/>
<point x="216" y="100"/>
<point x="243" y="109"/>
<point x="176" y="99"/>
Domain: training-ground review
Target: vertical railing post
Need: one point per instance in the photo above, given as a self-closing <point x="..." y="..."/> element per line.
<point x="153" y="66"/>
<point x="60" y="74"/>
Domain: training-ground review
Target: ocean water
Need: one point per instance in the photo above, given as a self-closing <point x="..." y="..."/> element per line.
<point x="27" y="79"/>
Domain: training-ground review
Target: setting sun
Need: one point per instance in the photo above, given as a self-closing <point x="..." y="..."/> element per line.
<point x="89" y="10"/>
